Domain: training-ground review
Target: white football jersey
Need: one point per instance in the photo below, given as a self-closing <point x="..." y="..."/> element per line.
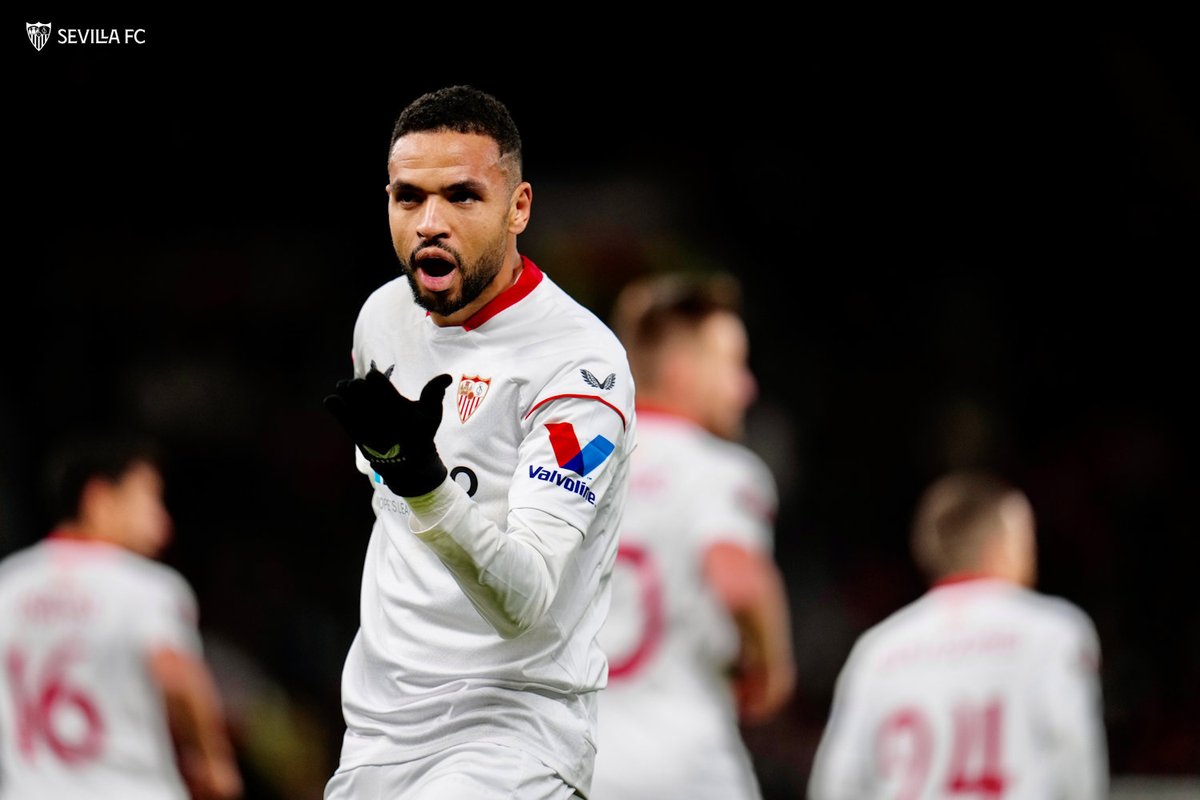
<point x="80" y="714"/>
<point x="668" y="720"/>
<point x="540" y="417"/>
<point x="980" y="688"/>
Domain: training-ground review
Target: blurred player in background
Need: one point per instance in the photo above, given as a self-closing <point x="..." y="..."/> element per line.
<point x="475" y="669"/>
<point x="698" y="634"/>
<point x="980" y="688"/>
<point x="103" y="689"/>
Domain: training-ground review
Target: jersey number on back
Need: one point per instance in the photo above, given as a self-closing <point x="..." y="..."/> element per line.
<point x="50" y="710"/>
<point x="650" y="603"/>
<point x="906" y="748"/>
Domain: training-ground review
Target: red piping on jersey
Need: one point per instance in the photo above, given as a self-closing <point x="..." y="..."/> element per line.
<point x="527" y="281"/>
<point x="581" y="397"/>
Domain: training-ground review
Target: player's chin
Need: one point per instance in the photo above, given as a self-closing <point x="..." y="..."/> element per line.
<point x="441" y="303"/>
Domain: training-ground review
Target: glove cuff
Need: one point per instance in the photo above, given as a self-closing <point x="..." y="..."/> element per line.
<point x="412" y="476"/>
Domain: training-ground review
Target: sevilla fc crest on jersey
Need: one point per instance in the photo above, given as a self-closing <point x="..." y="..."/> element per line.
<point x="471" y="392"/>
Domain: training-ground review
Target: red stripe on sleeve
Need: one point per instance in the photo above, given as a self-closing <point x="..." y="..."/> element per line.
<point x="541" y="403"/>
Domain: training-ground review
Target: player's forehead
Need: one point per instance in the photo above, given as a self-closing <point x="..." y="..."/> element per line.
<point x="444" y="156"/>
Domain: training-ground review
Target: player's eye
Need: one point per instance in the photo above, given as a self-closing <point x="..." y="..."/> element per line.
<point x="406" y="196"/>
<point x="463" y="196"/>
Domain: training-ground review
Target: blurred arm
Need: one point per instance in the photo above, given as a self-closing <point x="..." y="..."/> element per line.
<point x="197" y="724"/>
<point x="1072" y="695"/>
<point x="750" y="586"/>
<point x="842" y="759"/>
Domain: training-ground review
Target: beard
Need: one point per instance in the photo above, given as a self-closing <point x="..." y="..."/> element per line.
<point x="475" y="276"/>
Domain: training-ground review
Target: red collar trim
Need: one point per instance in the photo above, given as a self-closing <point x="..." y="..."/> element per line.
<point x="652" y="410"/>
<point x="528" y="280"/>
<point x="959" y="578"/>
<point x="65" y="534"/>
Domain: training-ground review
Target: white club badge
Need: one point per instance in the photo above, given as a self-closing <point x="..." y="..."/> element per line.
<point x="471" y="391"/>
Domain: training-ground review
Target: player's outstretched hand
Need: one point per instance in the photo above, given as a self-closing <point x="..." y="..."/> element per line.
<point x="394" y="433"/>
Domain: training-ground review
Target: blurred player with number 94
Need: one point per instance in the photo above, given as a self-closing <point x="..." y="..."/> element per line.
<point x="982" y="687"/>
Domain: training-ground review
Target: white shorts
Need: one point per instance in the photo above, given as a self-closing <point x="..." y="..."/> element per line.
<point x="478" y="770"/>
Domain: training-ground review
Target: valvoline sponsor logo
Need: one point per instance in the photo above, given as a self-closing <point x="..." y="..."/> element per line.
<point x="572" y="459"/>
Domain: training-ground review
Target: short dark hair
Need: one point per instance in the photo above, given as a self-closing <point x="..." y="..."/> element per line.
<point x="462" y="109"/>
<point x="81" y="457"/>
<point x="650" y="309"/>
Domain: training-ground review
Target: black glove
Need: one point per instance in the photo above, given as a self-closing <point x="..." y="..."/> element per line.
<point x="394" y="433"/>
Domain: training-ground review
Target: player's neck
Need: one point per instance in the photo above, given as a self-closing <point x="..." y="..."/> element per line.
<point x="505" y="279"/>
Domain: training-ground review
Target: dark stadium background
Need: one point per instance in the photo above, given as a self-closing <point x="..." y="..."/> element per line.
<point x="968" y="252"/>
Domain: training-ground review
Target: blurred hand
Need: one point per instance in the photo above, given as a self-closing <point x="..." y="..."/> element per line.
<point x="209" y="779"/>
<point x="761" y="689"/>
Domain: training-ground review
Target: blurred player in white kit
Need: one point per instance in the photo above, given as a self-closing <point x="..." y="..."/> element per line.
<point x="982" y="687"/>
<point x="698" y="634"/>
<point x="103" y="689"/>
<point x="475" y="671"/>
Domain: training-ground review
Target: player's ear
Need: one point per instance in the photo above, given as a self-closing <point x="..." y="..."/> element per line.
<point x="519" y="207"/>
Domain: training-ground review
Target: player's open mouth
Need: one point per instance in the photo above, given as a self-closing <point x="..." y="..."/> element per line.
<point x="435" y="273"/>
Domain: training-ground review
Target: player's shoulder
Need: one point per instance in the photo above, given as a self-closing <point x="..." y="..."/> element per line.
<point x="576" y="325"/>
<point x="14" y="563"/>
<point x="148" y="576"/>
<point x="1057" y="616"/>
<point x="736" y="458"/>
<point x="385" y="301"/>
<point x="388" y="312"/>
<point x="725" y="460"/>
<point x="896" y="626"/>
<point x="13" y="559"/>
<point x="909" y="623"/>
<point x="563" y="337"/>
<point x="747" y="480"/>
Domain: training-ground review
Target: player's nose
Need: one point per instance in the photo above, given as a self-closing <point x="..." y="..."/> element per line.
<point x="432" y="222"/>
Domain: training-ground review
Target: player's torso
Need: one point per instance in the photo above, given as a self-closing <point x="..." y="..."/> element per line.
<point x="954" y="706"/>
<point x="78" y="711"/>
<point x="413" y="608"/>
<point x="666" y="632"/>
<point x="418" y="609"/>
<point x="426" y="668"/>
<point x="667" y="720"/>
